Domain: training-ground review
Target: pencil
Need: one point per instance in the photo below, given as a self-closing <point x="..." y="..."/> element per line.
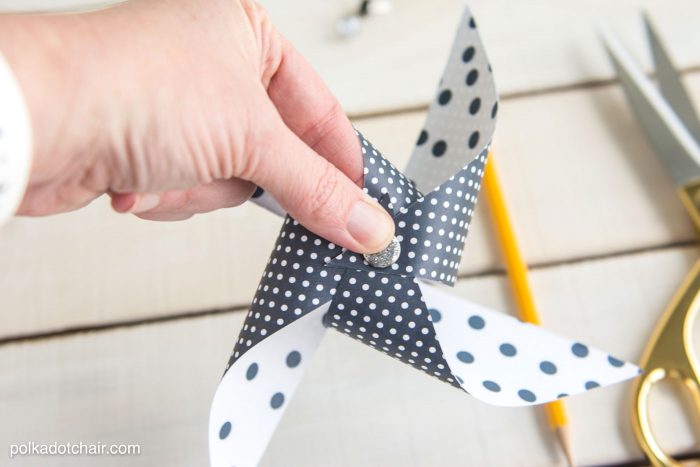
<point x="517" y="274"/>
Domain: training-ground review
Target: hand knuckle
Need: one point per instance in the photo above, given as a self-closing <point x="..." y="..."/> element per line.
<point x="257" y="16"/>
<point x="323" y="127"/>
<point x="323" y="201"/>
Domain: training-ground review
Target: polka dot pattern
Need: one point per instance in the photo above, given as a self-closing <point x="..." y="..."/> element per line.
<point x="615" y="362"/>
<point x="295" y="282"/>
<point x="225" y="430"/>
<point x="277" y="400"/>
<point x="256" y="390"/>
<point x="504" y="361"/>
<point x="388" y="314"/>
<point x="447" y="164"/>
<point x="252" y="371"/>
<point x="293" y="359"/>
<point x="465" y="357"/>
<point x="579" y="350"/>
<point x="548" y="368"/>
<point x="508" y="350"/>
<point x="435" y="315"/>
<point x="591" y="385"/>
<point x="432" y="229"/>
<point x="384" y="182"/>
<point x="476" y="322"/>
<point x="491" y="386"/>
<point x="527" y="395"/>
<point x="461" y="118"/>
<point x="304" y="270"/>
<point x="310" y="283"/>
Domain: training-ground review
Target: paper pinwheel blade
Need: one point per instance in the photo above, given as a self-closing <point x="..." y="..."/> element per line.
<point x="310" y="285"/>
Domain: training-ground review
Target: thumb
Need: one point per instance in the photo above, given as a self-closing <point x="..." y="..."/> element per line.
<point x="318" y="195"/>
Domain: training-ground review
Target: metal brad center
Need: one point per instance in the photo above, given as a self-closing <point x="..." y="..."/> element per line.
<point x="386" y="257"/>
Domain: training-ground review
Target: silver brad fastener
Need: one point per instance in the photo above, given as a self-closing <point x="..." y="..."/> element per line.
<point x="386" y="257"/>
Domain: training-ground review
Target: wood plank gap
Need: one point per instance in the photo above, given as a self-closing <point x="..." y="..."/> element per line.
<point x="585" y="259"/>
<point x="89" y="328"/>
<point x="643" y="462"/>
<point x="557" y="89"/>
<point x="109" y="326"/>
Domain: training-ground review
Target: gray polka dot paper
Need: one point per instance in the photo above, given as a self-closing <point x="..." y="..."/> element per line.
<point x="403" y="310"/>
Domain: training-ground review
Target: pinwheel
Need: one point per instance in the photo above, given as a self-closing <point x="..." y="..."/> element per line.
<point x="393" y="301"/>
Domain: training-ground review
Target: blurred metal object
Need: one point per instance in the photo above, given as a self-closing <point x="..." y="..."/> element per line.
<point x="668" y="118"/>
<point x="386" y="257"/>
<point x="350" y="24"/>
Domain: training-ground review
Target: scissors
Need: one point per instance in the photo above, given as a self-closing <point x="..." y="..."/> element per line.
<point x="666" y="114"/>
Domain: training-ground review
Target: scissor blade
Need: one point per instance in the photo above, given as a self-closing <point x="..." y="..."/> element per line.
<point x="673" y="142"/>
<point x="670" y="83"/>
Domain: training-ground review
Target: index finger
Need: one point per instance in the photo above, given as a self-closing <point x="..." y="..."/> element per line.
<point x="312" y="112"/>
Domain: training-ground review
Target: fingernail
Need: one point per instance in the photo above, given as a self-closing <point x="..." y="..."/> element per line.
<point x="146" y="203"/>
<point x="123" y="203"/>
<point x="370" y="225"/>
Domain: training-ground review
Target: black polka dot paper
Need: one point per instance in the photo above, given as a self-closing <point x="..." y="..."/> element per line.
<point x="310" y="285"/>
<point x="388" y="313"/>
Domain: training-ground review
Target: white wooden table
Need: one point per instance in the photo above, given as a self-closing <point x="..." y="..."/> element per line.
<point x="117" y="330"/>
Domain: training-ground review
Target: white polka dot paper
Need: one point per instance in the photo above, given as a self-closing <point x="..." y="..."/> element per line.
<point x="310" y="285"/>
<point x="251" y="397"/>
<point x="503" y="361"/>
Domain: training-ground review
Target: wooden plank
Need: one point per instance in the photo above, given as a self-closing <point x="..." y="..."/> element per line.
<point x="152" y="385"/>
<point x="580" y="178"/>
<point x="532" y="45"/>
<point x="95" y="266"/>
<point x="11" y="6"/>
<point x="397" y="59"/>
<point x="53" y="5"/>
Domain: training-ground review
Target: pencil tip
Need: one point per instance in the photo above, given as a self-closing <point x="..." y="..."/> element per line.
<point x="565" y="442"/>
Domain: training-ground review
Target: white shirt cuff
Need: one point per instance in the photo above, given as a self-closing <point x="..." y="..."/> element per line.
<point x="15" y="143"/>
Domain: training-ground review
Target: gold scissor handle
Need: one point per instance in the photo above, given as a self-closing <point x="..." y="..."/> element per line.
<point x="640" y="413"/>
<point x="669" y="355"/>
<point x="690" y="197"/>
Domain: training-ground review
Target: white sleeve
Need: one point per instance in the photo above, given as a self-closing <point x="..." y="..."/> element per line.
<point x="15" y="143"/>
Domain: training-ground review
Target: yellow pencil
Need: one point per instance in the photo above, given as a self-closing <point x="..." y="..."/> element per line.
<point x="517" y="273"/>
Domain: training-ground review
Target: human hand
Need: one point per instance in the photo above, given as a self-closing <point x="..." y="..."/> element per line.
<point x="181" y="107"/>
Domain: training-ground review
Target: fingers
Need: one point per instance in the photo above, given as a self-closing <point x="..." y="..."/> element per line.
<point x="183" y="204"/>
<point x="311" y="111"/>
<point x="317" y="194"/>
<point x="304" y="152"/>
